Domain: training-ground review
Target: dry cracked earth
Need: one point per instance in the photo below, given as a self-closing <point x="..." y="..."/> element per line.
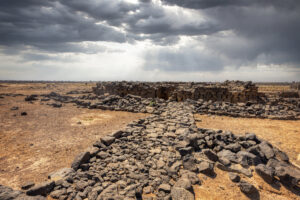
<point x="53" y="147"/>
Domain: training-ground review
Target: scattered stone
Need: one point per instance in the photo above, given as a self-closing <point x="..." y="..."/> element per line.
<point x="236" y="169"/>
<point x="15" y="108"/>
<point x="234" y="177"/>
<point x="7" y="193"/>
<point x="107" y="140"/>
<point x="27" y="185"/>
<point x="164" y="187"/>
<point x="80" y="159"/>
<point x="246" y="187"/>
<point x="31" y="98"/>
<point x="265" y="172"/>
<point x="178" y="193"/>
<point x="185" y="151"/>
<point x="210" y="155"/>
<point x="61" y="174"/>
<point x="56" y="105"/>
<point x="23" y="113"/>
<point x="58" y="193"/>
<point x="228" y="155"/>
<point x="247" y="159"/>
<point x="267" y="150"/>
<point x="235" y="147"/>
<point x="206" y="168"/>
<point x="184" y="183"/>
<point x="41" y="189"/>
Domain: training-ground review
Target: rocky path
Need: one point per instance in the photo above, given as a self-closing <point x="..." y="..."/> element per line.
<point x="159" y="158"/>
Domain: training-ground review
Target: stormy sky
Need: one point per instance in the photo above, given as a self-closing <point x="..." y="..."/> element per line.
<point x="158" y="40"/>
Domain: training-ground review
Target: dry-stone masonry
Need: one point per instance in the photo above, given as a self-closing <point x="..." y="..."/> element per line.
<point x="179" y="91"/>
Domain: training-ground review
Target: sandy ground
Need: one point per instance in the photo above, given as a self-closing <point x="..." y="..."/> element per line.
<point x="48" y="138"/>
<point x="283" y="134"/>
<point x="221" y="187"/>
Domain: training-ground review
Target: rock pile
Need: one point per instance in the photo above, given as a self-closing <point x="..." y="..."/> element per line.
<point x="161" y="156"/>
<point x="282" y="111"/>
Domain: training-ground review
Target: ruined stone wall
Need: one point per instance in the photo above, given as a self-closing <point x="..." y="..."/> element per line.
<point x="181" y="91"/>
<point x="295" y="86"/>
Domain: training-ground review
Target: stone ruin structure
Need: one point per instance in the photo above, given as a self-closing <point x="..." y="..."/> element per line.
<point x="295" y="86"/>
<point x="179" y="91"/>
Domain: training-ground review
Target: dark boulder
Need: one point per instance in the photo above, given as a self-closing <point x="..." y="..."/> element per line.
<point x="211" y="155"/>
<point x="107" y="140"/>
<point x="178" y="193"/>
<point x="234" y="177"/>
<point x="246" y="187"/>
<point x="41" y="189"/>
<point x="247" y="159"/>
<point x="27" y="185"/>
<point x="80" y="159"/>
<point x="267" y="173"/>
<point x="267" y="150"/>
<point x="32" y="97"/>
<point x="7" y="193"/>
<point x="206" y="168"/>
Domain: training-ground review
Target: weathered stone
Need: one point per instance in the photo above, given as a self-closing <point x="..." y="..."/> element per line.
<point x="235" y="147"/>
<point x="102" y="155"/>
<point x="229" y="155"/>
<point x="247" y="159"/>
<point x="164" y="187"/>
<point x="280" y="155"/>
<point x="250" y="136"/>
<point x="185" y="151"/>
<point x="288" y="176"/>
<point x="58" y="193"/>
<point x="191" y="176"/>
<point x="246" y="187"/>
<point x="32" y="97"/>
<point x="80" y="159"/>
<point x="107" y="140"/>
<point x="81" y="185"/>
<point x="234" y="177"/>
<point x="7" y="193"/>
<point x="184" y="183"/>
<point x="235" y="168"/>
<point x="210" y="155"/>
<point x="265" y="172"/>
<point x="178" y="193"/>
<point x="190" y="164"/>
<point x="267" y="150"/>
<point x="61" y="174"/>
<point x="206" y="168"/>
<point x="27" y="185"/>
<point x="41" y="189"/>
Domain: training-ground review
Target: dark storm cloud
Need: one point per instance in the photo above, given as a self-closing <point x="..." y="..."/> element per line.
<point x="254" y="32"/>
<point x="111" y="11"/>
<point x="203" y="4"/>
<point x="39" y="23"/>
<point x="233" y="32"/>
<point x="267" y="35"/>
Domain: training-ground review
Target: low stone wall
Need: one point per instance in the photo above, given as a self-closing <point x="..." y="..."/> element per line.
<point x="179" y="91"/>
<point x="295" y="86"/>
